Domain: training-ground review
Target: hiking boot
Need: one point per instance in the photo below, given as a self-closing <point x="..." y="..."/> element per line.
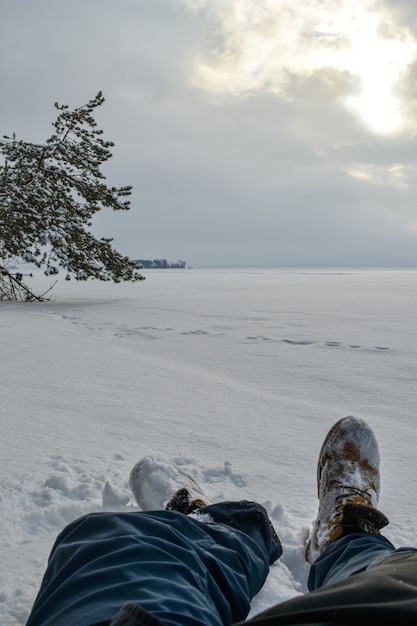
<point x="348" y="483"/>
<point x="153" y="482"/>
<point x="183" y="502"/>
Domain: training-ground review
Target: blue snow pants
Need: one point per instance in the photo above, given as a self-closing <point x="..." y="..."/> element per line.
<point x="181" y="570"/>
<point x="349" y="555"/>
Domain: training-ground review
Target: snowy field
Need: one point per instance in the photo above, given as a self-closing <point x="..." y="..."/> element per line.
<point x="235" y="375"/>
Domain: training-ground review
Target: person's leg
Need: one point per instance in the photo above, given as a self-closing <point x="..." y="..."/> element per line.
<point x="350" y="554"/>
<point x="385" y="593"/>
<point x="184" y="570"/>
<point x="356" y="573"/>
<point x="345" y="537"/>
<point x="357" y="576"/>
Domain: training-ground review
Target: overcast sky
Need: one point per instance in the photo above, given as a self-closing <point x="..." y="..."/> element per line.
<point x="254" y="133"/>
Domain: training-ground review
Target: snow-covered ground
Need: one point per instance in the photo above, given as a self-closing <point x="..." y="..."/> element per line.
<point x="235" y="375"/>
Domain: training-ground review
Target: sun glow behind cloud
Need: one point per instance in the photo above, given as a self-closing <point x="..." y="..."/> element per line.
<point x="252" y="47"/>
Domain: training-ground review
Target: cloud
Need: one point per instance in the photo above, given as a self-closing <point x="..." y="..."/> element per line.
<point x="252" y="47"/>
<point x="232" y="121"/>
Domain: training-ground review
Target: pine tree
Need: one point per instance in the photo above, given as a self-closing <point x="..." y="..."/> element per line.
<point x="50" y="192"/>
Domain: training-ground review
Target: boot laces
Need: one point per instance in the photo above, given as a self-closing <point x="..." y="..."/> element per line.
<point x="352" y="495"/>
